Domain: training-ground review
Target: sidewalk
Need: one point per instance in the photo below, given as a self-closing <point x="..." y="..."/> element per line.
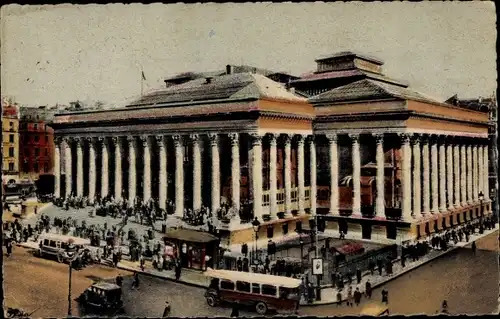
<point x="329" y="295"/>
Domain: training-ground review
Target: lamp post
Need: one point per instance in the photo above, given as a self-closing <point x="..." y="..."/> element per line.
<point x="481" y="198"/>
<point x="256" y="228"/>
<point x="301" y="254"/>
<point x="70" y="254"/>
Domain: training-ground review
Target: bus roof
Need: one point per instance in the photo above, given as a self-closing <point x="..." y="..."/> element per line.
<point x="254" y="278"/>
<point x="65" y="238"/>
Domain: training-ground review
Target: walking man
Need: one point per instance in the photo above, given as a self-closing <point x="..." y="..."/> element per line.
<point x="357" y="296"/>
<point x="135" y="282"/>
<point x="166" y="311"/>
<point x="385" y="296"/>
<point x="473" y="248"/>
<point x="368" y="289"/>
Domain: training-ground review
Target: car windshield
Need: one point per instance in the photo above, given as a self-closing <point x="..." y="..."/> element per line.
<point x="289" y="293"/>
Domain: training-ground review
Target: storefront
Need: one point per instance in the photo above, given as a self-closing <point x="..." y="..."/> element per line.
<point x="195" y="249"/>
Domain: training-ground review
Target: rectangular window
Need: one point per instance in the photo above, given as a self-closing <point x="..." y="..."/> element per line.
<point x="35" y="167"/>
<point x="256" y="288"/>
<point x="46" y="138"/>
<point x="37" y="151"/>
<point x="35" y="126"/>
<point x="46" y="167"/>
<point x="27" y="152"/>
<point x="242" y="286"/>
<point x="227" y="285"/>
<point x="46" y="152"/>
<point x="11" y="167"/>
<point x="11" y="152"/>
<point x="52" y="243"/>
<point x="26" y="167"/>
<point x="37" y="138"/>
<point x="45" y="242"/>
<point x="11" y="138"/>
<point x="269" y="290"/>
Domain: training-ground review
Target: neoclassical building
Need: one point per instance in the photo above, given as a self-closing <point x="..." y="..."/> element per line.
<point x="367" y="154"/>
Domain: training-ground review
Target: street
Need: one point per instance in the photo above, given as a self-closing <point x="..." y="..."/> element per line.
<point x="469" y="284"/>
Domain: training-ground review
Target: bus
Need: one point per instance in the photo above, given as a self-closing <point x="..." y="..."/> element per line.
<point x="259" y="291"/>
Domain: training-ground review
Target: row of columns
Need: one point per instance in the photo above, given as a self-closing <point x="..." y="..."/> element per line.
<point x="462" y="169"/>
<point x="195" y="139"/>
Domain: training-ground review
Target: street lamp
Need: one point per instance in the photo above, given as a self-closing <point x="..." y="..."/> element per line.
<point x="70" y="254"/>
<point x="256" y="228"/>
<point x="301" y="242"/>
<point x="481" y="198"/>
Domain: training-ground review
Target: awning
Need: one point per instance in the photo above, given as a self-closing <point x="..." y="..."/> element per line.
<point x="189" y="235"/>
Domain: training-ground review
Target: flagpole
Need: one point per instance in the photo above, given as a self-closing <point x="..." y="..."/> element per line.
<point x="142" y="82"/>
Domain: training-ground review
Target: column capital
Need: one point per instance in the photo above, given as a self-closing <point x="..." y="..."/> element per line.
<point x="234" y="138"/>
<point x="287" y="139"/>
<point x="90" y="139"/>
<point x="424" y="139"/>
<point x="300" y="139"/>
<point x="405" y="137"/>
<point x="115" y="140"/>
<point x="442" y="139"/>
<point x="214" y="138"/>
<point x="256" y="139"/>
<point x="415" y="139"/>
<point x="79" y="141"/>
<point x="67" y="139"/>
<point x="144" y="140"/>
<point x="379" y="137"/>
<point x="131" y="139"/>
<point x="311" y="138"/>
<point x="102" y="140"/>
<point x="58" y="140"/>
<point x="177" y="139"/>
<point x="354" y="137"/>
<point x="194" y="137"/>
<point x="332" y="138"/>
<point x="272" y="138"/>
<point x="160" y="139"/>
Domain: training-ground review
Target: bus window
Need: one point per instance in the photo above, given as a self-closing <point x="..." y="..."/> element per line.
<point x="45" y="242"/>
<point x="256" y="289"/>
<point x="284" y="292"/>
<point x="52" y="243"/>
<point x="242" y="286"/>
<point x="227" y="285"/>
<point x="269" y="290"/>
<point x="214" y="283"/>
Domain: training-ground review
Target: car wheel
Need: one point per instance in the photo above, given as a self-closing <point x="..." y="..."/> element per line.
<point x="211" y="301"/>
<point x="261" y="308"/>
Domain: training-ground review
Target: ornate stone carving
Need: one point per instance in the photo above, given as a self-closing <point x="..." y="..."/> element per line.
<point x="234" y="138"/>
<point x="310" y="138"/>
<point x="379" y="138"/>
<point x="194" y="137"/>
<point x="300" y="139"/>
<point x="131" y="139"/>
<point x="58" y="140"/>
<point x="116" y="140"/>
<point x="214" y="138"/>
<point x="354" y="137"/>
<point x="287" y="139"/>
<point x="415" y="139"/>
<point x="161" y="140"/>
<point x="272" y="139"/>
<point x="177" y="139"/>
<point x="144" y="140"/>
<point x="332" y="138"/>
<point x="256" y="139"/>
<point x="405" y="137"/>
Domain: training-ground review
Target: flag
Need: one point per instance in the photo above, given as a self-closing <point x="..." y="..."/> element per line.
<point x="143" y="76"/>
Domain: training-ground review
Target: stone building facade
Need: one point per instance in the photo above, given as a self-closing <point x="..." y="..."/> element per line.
<point x="367" y="155"/>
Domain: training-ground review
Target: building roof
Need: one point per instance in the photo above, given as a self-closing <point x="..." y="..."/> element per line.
<point x="349" y="54"/>
<point x="314" y="76"/>
<point x="368" y="89"/>
<point x="190" y="235"/>
<point x="237" y="86"/>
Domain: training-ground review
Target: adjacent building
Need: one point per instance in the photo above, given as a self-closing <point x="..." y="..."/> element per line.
<point x="36" y="142"/>
<point x="10" y="142"/>
<point x="364" y="153"/>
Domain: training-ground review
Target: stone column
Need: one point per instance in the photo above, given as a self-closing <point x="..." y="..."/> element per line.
<point x="456" y="169"/>
<point x="301" y="172"/>
<point x="273" y="179"/>
<point x="449" y="175"/>
<point x="179" y="176"/>
<point x="463" y="176"/>
<point x="257" y="175"/>
<point x="235" y="171"/>
<point x="426" y="189"/>
<point x="147" y="168"/>
<point x="417" y="205"/>
<point x="92" y="170"/>
<point x="79" y="166"/>
<point x="162" y="192"/>
<point x="312" y="169"/>
<point x="434" y="176"/>
<point x="486" y="182"/>
<point x="480" y="167"/>
<point x="118" y="167"/>
<point x="132" y="180"/>
<point x="406" y="177"/>
<point x="475" y="191"/>
<point x="105" y="167"/>
<point x="288" y="174"/>
<point x="67" y="163"/>
<point x="469" y="175"/>
<point x="380" y="180"/>
<point x="442" y="174"/>
<point x="356" y="174"/>
<point x="57" y="167"/>
<point x="334" y="174"/>
<point x="195" y="143"/>
<point x="214" y="144"/>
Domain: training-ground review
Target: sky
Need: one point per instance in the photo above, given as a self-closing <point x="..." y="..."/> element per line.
<point x="58" y="54"/>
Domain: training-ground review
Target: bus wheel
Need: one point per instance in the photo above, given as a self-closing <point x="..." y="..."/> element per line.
<point x="261" y="308"/>
<point x="211" y="301"/>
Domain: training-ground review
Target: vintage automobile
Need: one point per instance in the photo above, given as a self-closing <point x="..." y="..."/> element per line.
<point x="259" y="291"/>
<point x="102" y="298"/>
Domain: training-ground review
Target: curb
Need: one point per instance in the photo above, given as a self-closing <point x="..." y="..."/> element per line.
<point x="408" y="269"/>
<point x="161" y="277"/>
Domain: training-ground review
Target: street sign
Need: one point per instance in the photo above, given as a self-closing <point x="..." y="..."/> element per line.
<point x="317" y="266"/>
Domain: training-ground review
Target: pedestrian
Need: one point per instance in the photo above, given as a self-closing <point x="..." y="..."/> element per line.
<point x="473" y="248"/>
<point x="119" y="280"/>
<point x="357" y="296"/>
<point x="135" y="281"/>
<point x="368" y="289"/>
<point x="358" y="275"/>
<point x="385" y="296"/>
<point x="444" y="307"/>
<point x="177" y="271"/>
<point x="379" y="266"/>
<point x="166" y="311"/>
<point x="339" y="298"/>
<point x="9" y="247"/>
<point x="349" y="296"/>
<point x="235" y="312"/>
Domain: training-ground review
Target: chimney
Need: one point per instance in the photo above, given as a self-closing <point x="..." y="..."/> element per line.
<point x="208" y="80"/>
<point x="229" y="69"/>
